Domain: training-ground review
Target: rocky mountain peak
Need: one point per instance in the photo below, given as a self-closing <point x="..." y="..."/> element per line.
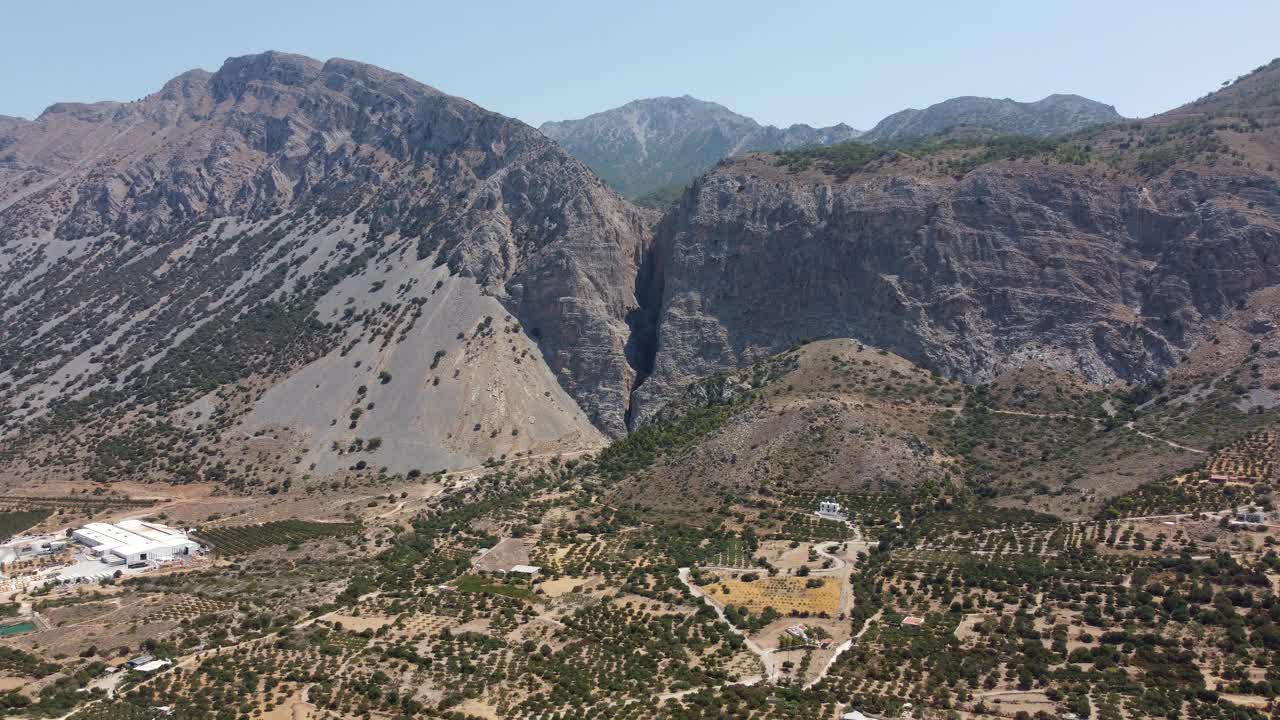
<point x="660" y="142"/>
<point x="183" y="85"/>
<point x="369" y="161"/>
<point x="88" y="112"/>
<point x="236" y="74"/>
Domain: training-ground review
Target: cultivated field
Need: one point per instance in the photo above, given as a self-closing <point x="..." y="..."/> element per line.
<point x="786" y="595"/>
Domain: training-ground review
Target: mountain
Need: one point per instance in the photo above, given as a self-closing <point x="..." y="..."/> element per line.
<point x="648" y="144"/>
<point x="323" y="253"/>
<point x="1108" y="253"/>
<point x="1053" y="115"/>
<point x="298" y="267"/>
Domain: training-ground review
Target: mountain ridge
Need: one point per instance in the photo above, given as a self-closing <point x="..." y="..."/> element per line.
<point x="1052" y="115"/>
<point x="650" y="143"/>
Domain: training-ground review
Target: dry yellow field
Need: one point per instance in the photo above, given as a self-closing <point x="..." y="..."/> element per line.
<point x="787" y="595"/>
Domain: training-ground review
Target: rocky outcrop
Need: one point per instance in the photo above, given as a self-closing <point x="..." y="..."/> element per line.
<point x="657" y="142"/>
<point x="1053" y="115"/>
<point x="1106" y="277"/>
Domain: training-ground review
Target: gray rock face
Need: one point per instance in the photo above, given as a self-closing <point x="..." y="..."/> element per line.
<point x="1013" y="262"/>
<point x="648" y="144"/>
<point x="123" y="196"/>
<point x="1051" y="116"/>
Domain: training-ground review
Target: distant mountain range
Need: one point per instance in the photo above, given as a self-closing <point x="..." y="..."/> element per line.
<point x="648" y="145"/>
<point x="1053" y="115"/>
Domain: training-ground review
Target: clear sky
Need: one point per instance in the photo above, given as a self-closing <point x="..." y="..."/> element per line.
<point x="779" y="62"/>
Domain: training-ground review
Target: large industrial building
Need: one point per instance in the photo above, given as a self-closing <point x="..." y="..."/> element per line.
<point x="134" y="541"/>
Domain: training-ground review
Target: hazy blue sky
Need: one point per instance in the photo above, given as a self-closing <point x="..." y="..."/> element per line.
<point x="779" y="62"/>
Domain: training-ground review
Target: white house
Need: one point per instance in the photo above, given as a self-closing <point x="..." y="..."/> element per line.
<point x="831" y="510"/>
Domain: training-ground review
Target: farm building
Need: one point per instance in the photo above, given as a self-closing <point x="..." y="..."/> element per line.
<point x="135" y="541"/>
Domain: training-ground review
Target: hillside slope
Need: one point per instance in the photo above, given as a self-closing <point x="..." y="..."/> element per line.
<point x="828" y="417"/>
<point x="839" y="418"/>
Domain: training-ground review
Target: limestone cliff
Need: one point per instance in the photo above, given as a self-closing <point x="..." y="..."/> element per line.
<point x="1105" y="253"/>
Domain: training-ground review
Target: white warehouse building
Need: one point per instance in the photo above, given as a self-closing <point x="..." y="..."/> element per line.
<point x="135" y="541"/>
